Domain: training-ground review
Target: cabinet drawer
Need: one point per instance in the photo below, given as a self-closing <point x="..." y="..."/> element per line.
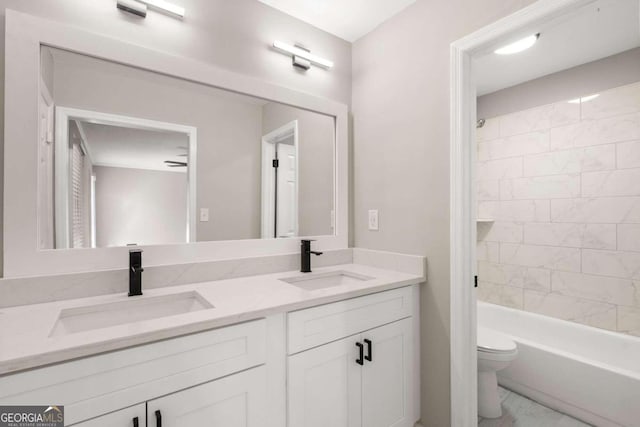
<point x="318" y="325"/>
<point x="100" y="384"/>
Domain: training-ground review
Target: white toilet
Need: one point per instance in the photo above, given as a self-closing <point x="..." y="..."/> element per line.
<point x="495" y="352"/>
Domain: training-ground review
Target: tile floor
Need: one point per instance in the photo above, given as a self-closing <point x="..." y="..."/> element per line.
<point x="518" y="411"/>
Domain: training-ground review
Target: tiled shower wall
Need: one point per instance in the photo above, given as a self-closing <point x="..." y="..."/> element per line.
<point x="561" y="184"/>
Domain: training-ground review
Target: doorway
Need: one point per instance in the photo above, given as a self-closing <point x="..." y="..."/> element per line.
<point x="280" y="182"/>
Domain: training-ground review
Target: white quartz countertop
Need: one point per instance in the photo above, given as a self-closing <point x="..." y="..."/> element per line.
<point x="25" y="331"/>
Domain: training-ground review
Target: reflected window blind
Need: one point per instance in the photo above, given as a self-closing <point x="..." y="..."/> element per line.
<point x="78" y="192"/>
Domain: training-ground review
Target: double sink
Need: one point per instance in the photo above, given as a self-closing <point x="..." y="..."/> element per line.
<point x="92" y="317"/>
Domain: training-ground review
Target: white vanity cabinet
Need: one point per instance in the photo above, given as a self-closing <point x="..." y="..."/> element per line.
<point x="366" y="379"/>
<point x="235" y="401"/>
<point x="134" y="416"/>
<point x="351" y="363"/>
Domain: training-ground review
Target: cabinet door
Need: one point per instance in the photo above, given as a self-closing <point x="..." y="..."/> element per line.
<point x="234" y="401"/>
<point x="324" y="386"/>
<point x="386" y="379"/>
<point x="130" y="417"/>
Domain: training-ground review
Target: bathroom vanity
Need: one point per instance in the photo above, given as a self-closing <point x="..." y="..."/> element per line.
<point x="242" y="170"/>
<point x="339" y="345"/>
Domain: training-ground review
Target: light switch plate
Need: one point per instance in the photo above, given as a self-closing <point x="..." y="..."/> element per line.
<point x="204" y="214"/>
<point x="373" y="220"/>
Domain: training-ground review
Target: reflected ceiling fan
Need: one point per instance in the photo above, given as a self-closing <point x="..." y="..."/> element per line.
<point x="175" y="164"/>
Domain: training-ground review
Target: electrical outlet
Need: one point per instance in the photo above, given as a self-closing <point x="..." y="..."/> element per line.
<point x="204" y="214"/>
<point x="373" y="220"/>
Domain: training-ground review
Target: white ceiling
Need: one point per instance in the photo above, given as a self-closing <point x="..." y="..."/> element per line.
<point x="347" y="19"/>
<point x="598" y="30"/>
<point x="124" y="147"/>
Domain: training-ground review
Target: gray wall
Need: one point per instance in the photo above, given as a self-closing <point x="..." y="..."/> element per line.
<point x="401" y="166"/>
<point x="607" y="73"/>
<point x="316" y="140"/>
<point x="229" y="131"/>
<point x="140" y="206"/>
<point x="233" y="35"/>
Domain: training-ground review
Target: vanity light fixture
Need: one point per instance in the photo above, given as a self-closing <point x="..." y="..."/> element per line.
<point x="584" y="99"/>
<point x="165" y="6"/>
<point x="302" y="58"/>
<point x="518" y="46"/>
<point x="139" y="7"/>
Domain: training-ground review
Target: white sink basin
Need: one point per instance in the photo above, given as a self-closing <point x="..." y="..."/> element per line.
<point x="314" y="281"/>
<point x="81" y="319"/>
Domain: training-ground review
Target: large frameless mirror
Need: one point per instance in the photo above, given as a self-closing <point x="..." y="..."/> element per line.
<point x="132" y="157"/>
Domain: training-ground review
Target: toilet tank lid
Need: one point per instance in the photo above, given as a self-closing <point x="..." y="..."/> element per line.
<point x="491" y="340"/>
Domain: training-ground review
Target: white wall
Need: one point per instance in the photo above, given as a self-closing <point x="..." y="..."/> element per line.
<point x="562" y="182"/>
<point x="607" y="73"/>
<point x="401" y="157"/>
<point x="316" y="138"/>
<point x="145" y="207"/>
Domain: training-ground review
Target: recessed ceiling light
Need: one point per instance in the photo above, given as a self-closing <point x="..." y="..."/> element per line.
<point x="518" y="46"/>
<point x="584" y="99"/>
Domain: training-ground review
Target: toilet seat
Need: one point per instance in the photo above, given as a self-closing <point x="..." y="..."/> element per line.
<point x="492" y="342"/>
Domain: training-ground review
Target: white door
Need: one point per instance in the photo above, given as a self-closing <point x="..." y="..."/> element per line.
<point x="287" y="205"/>
<point x="130" y="417"/>
<point x="325" y="386"/>
<point x="386" y="378"/>
<point x="234" y="401"/>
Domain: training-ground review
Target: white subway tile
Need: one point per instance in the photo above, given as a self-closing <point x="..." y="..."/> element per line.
<point x="592" y="313"/>
<point x="516" y="211"/>
<point x="594" y="236"/>
<point x="517" y="145"/>
<point x="526" y="121"/>
<point x="629" y="320"/>
<point x="500" y="231"/>
<point x="506" y="189"/>
<point x="546" y="187"/>
<point x="515" y="275"/>
<point x="625" y="265"/>
<point x="507" y="296"/>
<point x="564" y="113"/>
<point x="614" y="102"/>
<point x="629" y="237"/>
<point x="490" y="130"/>
<point x="624" y="182"/>
<point x="628" y="155"/>
<point x="596" y="132"/>
<point x="500" y="169"/>
<point x="598" y="158"/>
<point x="599" y="288"/>
<point x="488" y="251"/>
<point x="601" y="210"/>
<point x="554" y="258"/>
<point x="488" y="190"/>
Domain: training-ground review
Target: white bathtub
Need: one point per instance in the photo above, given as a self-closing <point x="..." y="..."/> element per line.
<point x="588" y="373"/>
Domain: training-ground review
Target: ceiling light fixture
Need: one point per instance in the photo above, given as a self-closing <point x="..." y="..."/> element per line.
<point x="299" y="52"/>
<point x="518" y="46"/>
<point x="584" y="99"/>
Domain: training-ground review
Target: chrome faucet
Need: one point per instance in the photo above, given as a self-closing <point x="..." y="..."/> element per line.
<point x="135" y="272"/>
<point x="305" y="256"/>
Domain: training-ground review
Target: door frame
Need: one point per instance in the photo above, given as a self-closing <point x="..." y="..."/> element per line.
<point x="268" y="181"/>
<point x="62" y="163"/>
<point x="463" y="350"/>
